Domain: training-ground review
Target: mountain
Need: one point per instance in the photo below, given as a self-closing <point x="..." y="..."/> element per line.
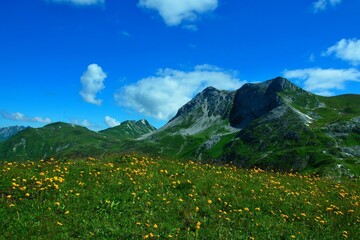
<point x="67" y="140"/>
<point x="284" y="127"/>
<point x="274" y="125"/>
<point x="129" y="129"/>
<point x="7" y="132"/>
<point x="197" y="126"/>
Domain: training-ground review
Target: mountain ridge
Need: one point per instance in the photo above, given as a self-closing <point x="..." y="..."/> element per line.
<point x="274" y="124"/>
<point x="7" y="132"/>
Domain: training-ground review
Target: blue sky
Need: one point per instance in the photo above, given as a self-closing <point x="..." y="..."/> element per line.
<point x="97" y="63"/>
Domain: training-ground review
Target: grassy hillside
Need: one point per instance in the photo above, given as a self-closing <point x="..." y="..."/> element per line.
<point x="129" y="129"/>
<point x="134" y="197"/>
<point x="56" y="140"/>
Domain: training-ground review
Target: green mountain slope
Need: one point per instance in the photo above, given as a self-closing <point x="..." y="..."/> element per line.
<point x="300" y="131"/>
<point x="129" y="129"/>
<point x="68" y="140"/>
<point x="53" y="140"/>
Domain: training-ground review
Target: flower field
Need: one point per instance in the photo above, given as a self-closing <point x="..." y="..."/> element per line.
<point x="138" y="197"/>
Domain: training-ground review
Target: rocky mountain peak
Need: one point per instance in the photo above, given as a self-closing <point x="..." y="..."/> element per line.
<point x="280" y="84"/>
<point x="209" y="102"/>
<point x="7" y="132"/>
<point x="253" y="100"/>
<point x="209" y="89"/>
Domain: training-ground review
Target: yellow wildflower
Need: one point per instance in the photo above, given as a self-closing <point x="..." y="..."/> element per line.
<point x="198" y="224"/>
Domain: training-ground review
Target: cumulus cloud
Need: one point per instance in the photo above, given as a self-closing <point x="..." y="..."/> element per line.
<point x="17" y="116"/>
<point x="347" y="50"/>
<point x="321" y="5"/>
<point x="80" y="2"/>
<point x="92" y="82"/>
<point x="84" y="123"/>
<point x="111" y="122"/>
<point x="322" y="81"/>
<point x="160" y="96"/>
<point x="174" y="12"/>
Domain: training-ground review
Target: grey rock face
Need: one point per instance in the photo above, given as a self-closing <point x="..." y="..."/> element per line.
<point x="210" y="102"/>
<point x="7" y="132"/>
<point x="343" y="128"/>
<point x="254" y="100"/>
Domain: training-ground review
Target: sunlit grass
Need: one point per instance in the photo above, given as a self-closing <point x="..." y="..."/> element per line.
<point x="138" y="197"/>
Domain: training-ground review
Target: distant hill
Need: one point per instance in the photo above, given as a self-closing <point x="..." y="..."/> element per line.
<point x="274" y="125"/>
<point x="68" y="140"/>
<point x="7" y="132"/>
<point x="129" y="129"/>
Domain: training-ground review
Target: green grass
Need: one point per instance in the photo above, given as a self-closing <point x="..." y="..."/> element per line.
<point x="135" y="197"/>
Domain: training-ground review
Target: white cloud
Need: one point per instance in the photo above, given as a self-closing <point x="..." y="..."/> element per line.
<point x="321" y="81"/>
<point x="80" y="2"/>
<point x="84" y="123"/>
<point x="92" y="82"/>
<point x="111" y="122"/>
<point x="321" y="5"/>
<point x="17" y="116"/>
<point x="174" y="12"/>
<point x="346" y="49"/>
<point x="160" y="96"/>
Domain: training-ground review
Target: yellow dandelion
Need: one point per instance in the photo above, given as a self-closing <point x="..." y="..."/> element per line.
<point x="57" y="204"/>
<point x="67" y="212"/>
<point x="209" y="201"/>
<point x="155" y="225"/>
<point x="196" y="209"/>
<point x="27" y="194"/>
<point x="198" y="225"/>
<point x="59" y="223"/>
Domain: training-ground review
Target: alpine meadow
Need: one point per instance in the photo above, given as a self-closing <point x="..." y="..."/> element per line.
<point x="173" y="119"/>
